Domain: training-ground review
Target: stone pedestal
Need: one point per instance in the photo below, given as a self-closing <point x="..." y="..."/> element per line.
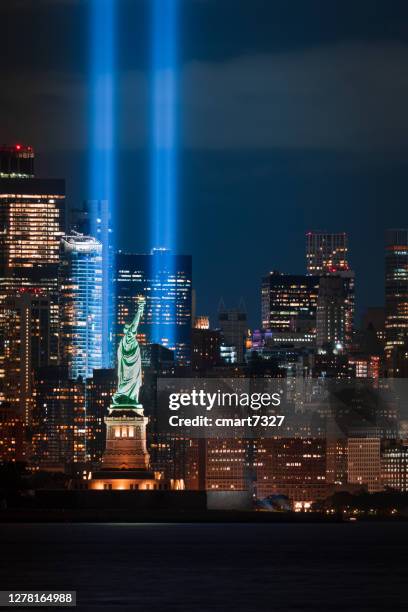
<point x="125" y="462"/>
<point x="125" y="439"/>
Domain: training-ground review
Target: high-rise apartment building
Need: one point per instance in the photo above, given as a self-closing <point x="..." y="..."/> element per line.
<point x="289" y="302"/>
<point x="396" y="301"/>
<point x="80" y="290"/>
<point x="165" y="281"/>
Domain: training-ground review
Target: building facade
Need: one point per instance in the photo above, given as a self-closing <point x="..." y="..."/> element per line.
<point x="364" y="463"/>
<point x="394" y="468"/>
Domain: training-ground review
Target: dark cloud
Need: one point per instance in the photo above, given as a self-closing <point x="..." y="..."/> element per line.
<point x="350" y="96"/>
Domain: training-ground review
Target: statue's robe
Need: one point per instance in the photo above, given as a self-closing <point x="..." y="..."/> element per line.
<point x="129" y="370"/>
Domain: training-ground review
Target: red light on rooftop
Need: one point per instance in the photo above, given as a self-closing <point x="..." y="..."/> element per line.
<point x="18" y="147"/>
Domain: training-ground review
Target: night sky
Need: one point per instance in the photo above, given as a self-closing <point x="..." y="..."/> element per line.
<point x="293" y="117"/>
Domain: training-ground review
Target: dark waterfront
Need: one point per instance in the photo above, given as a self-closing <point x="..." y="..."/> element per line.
<point x="241" y="567"/>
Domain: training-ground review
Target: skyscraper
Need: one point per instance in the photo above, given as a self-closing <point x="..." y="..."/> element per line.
<point x="93" y="218"/>
<point x="31" y="225"/>
<point x="396" y="301"/>
<point x="28" y="345"/>
<point x="289" y="302"/>
<point x="80" y="279"/>
<point x="326" y="253"/>
<point x="101" y="228"/>
<point x="331" y="312"/>
<point x="165" y="281"/>
<point x="234" y="328"/>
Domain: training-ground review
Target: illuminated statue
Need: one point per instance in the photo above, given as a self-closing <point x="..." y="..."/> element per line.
<point x="129" y="365"/>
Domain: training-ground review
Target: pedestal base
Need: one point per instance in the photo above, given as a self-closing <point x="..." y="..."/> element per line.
<point x="125" y="480"/>
<point x="125" y="439"/>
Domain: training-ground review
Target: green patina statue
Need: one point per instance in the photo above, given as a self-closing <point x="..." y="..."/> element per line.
<point x="129" y="365"/>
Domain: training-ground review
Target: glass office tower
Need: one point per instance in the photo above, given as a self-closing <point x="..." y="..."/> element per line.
<point x="165" y="281"/>
<point x="80" y="280"/>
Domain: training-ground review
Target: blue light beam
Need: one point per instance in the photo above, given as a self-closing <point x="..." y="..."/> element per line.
<point x="164" y="150"/>
<point x="164" y="123"/>
<point x="102" y="151"/>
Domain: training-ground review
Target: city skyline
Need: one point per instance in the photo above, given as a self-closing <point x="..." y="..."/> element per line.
<point x="93" y="280"/>
<point x="93" y="218"/>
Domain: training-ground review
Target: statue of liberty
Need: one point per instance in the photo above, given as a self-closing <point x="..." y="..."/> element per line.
<point x="129" y="365"/>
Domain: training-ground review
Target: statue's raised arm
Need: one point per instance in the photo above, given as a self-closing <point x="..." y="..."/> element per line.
<point x="139" y="313"/>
